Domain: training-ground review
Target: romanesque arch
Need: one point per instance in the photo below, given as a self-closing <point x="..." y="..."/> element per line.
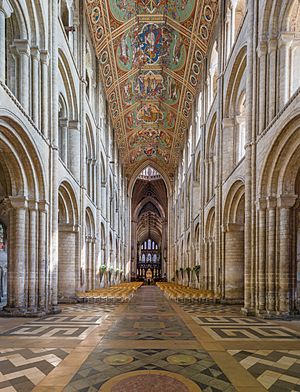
<point x="90" y="251"/>
<point x="278" y="209"/>
<point x="23" y="217"/>
<point x="210" y="275"/>
<point x="69" y="269"/>
<point x="234" y="219"/>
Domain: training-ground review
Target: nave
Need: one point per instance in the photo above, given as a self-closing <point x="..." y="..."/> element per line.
<point x="149" y="344"/>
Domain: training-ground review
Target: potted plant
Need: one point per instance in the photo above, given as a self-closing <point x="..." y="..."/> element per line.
<point x="102" y="270"/>
<point x="197" y="271"/>
<point x="117" y="272"/>
<point x="110" y="272"/>
<point x="188" y="271"/>
<point x="181" y="270"/>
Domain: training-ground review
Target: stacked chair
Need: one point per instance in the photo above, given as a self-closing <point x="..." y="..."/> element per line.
<point x="119" y="293"/>
<point x="183" y="294"/>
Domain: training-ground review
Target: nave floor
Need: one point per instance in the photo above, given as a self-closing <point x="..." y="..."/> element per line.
<point x="149" y="345"/>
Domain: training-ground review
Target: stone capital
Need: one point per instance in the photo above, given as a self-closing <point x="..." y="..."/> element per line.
<point x="63" y="122"/>
<point x="261" y="203"/>
<point x="285" y="40"/>
<point x="262" y="48"/>
<point x="286" y="201"/>
<point x="228" y="122"/>
<point x="6" y="8"/>
<point x="32" y="205"/>
<point x="74" y="125"/>
<point x="18" y="202"/>
<point x="240" y="119"/>
<point x="272" y="45"/>
<point x="44" y="56"/>
<point x="22" y="46"/>
<point x="271" y="202"/>
<point x="35" y="53"/>
<point x="43" y="206"/>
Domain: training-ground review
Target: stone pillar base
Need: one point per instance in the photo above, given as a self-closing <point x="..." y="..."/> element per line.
<point x="68" y="300"/>
<point x="25" y="312"/>
<point x="262" y="314"/>
<point x="232" y="301"/>
<point x="248" y="311"/>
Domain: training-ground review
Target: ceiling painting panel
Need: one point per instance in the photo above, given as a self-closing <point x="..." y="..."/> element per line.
<point x="151" y="55"/>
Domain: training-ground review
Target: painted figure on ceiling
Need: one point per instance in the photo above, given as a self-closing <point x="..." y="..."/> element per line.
<point x="149" y="113"/>
<point x="177" y="49"/>
<point x="124" y="50"/>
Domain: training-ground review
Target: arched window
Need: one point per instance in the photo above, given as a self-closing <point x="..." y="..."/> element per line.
<point x="90" y="162"/>
<point x="189" y="145"/>
<point x="2" y="237"/>
<point x="149" y="244"/>
<point x="241" y="128"/>
<point x="198" y="117"/>
<point x="63" y="124"/>
<point x="235" y="14"/>
<point x="290" y="49"/>
<point x="212" y="75"/>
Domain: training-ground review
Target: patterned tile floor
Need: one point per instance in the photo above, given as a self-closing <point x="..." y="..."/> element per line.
<point x="149" y="345"/>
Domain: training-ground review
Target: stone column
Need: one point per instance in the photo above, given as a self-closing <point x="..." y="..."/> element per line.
<point x="272" y="77"/>
<point x="271" y="254"/>
<point x="285" y="67"/>
<point x="262" y="54"/>
<point x="232" y="24"/>
<point x="249" y="295"/>
<point x="44" y="56"/>
<point x="54" y="167"/>
<point x="32" y="256"/>
<point x="5" y="12"/>
<point x="285" y="203"/>
<point x="42" y="266"/>
<point x="35" y="101"/>
<point x="22" y="48"/>
<point x="205" y="274"/>
<point x="262" y="255"/>
<point x="19" y="204"/>
<point x="10" y="256"/>
<point x="63" y="142"/>
<point x="74" y="148"/>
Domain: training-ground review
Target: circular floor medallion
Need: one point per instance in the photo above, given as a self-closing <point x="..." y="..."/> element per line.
<point x="150" y="381"/>
<point x="118" y="359"/>
<point x="171" y="334"/>
<point x="128" y="334"/>
<point x="181" y="359"/>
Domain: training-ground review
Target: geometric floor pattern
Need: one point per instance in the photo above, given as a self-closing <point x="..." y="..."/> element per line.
<point x="244" y="328"/>
<point x="23" y="368"/>
<point x="152" y="342"/>
<point x="103" y="365"/>
<point x="150" y="327"/>
<point x="58" y="326"/>
<point x="276" y="370"/>
<point x="88" y="308"/>
<point x="207" y="308"/>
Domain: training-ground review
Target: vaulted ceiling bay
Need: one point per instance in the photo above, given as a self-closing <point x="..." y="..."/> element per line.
<point x="152" y="55"/>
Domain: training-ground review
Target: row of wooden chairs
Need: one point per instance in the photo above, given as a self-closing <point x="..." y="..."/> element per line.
<point x="119" y="293"/>
<point x="181" y="293"/>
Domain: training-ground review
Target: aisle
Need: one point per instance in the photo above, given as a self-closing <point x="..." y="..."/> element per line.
<point x="149" y="345"/>
<point x="149" y="349"/>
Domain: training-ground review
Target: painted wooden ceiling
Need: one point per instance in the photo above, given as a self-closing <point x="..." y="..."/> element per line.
<point x="151" y="55"/>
